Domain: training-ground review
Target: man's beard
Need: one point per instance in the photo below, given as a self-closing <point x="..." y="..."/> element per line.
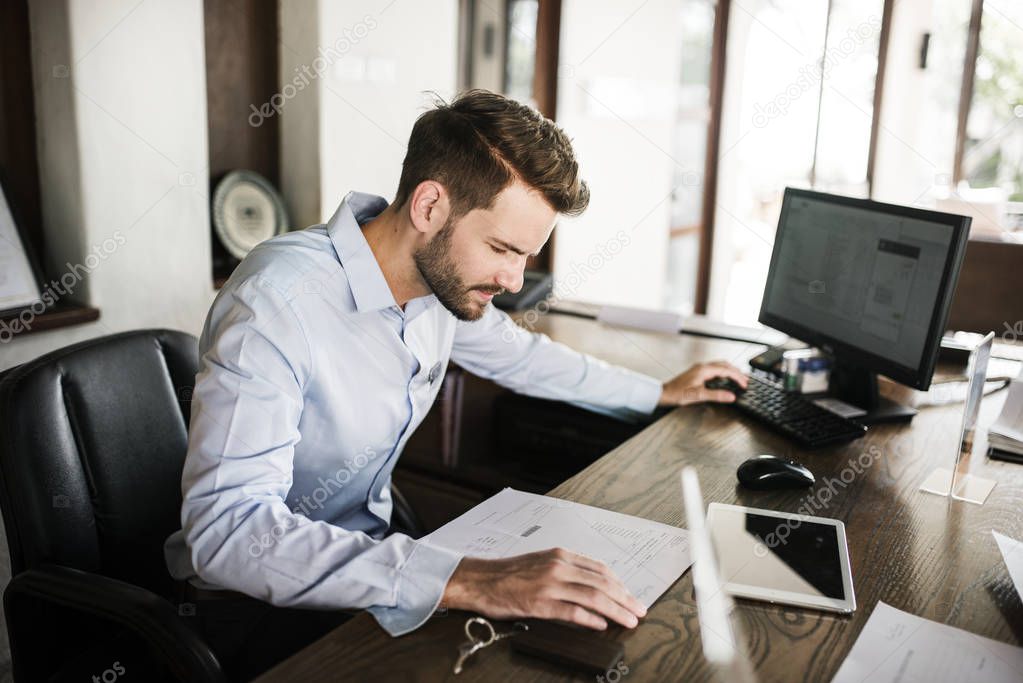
<point x="438" y="270"/>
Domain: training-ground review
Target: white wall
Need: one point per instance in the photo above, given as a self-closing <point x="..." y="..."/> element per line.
<point x="120" y="92"/>
<point x="906" y="167"/>
<point x="375" y="91"/>
<point x="300" y="115"/>
<point x="617" y="88"/>
<point x="734" y="127"/>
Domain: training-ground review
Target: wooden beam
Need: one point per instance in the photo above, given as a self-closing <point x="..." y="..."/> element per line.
<point x="710" y="174"/>
<point x="545" y="70"/>
<point x="882" y="62"/>
<point x="545" y="90"/>
<point x="966" y="91"/>
<point x="19" y="165"/>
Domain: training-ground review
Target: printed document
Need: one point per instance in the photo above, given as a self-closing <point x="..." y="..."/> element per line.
<point x="896" y="646"/>
<point x="646" y="556"/>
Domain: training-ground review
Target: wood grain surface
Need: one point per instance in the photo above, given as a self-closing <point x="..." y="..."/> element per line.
<point x="918" y="552"/>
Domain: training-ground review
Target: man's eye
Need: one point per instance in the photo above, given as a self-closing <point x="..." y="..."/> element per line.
<point x="497" y="250"/>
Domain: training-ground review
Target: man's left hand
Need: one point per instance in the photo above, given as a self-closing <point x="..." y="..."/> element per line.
<point x="688" y="387"/>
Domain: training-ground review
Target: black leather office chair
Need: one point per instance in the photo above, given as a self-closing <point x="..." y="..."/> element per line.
<point x="92" y="442"/>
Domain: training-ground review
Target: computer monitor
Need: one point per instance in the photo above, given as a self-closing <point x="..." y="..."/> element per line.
<point x="869" y="283"/>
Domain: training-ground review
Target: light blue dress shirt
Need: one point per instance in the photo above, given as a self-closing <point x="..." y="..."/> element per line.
<point x="311" y="381"/>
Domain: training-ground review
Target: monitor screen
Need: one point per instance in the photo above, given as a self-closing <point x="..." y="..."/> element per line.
<point x="859" y="275"/>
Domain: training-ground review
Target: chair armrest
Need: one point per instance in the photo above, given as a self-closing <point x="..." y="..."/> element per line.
<point x="403" y="516"/>
<point x="146" y="614"/>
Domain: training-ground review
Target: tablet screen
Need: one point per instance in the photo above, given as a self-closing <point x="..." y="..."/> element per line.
<point x="781" y="558"/>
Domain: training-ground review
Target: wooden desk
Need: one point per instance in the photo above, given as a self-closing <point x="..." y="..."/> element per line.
<point x="915" y="551"/>
<point x="461" y="456"/>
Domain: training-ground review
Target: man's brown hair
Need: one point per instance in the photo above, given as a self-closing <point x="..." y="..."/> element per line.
<point x="479" y="143"/>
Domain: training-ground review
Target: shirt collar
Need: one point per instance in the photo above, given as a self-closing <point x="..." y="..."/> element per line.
<point x="365" y="279"/>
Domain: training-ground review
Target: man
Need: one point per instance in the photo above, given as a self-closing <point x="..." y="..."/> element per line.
<point x="325" y="350"/>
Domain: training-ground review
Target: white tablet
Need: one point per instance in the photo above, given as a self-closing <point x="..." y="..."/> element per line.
<point x="782" y="557"/>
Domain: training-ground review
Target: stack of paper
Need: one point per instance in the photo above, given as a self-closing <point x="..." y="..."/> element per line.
<point x="1006" y="434"/>
<point x="646" y="556"/>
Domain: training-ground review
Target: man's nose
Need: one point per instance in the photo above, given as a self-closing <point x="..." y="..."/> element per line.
<point x="511" y="281"/>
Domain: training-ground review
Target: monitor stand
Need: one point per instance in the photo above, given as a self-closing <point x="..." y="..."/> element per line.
<point x="858" y="387"/>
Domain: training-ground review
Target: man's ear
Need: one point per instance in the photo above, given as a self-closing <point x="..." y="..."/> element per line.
<point x="429" y="207"/>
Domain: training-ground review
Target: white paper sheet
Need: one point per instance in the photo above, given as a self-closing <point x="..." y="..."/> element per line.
<point x="17" y="282"/>
<point x="702" y="324"/>
<point x="640" y="318"/>
<point x="1010" y="420"/>
<point x="647" y="556"/>
<point x="1012" y="553"/>
<point x="896" y="647"/>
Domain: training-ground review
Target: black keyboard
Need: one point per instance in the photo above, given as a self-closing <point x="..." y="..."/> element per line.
<point x="794" y="416"/>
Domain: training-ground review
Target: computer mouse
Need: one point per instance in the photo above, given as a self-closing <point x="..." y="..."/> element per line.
<point x="769" y="472"/>
<point x="726" y="383"/>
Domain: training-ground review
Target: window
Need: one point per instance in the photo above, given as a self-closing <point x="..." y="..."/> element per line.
<point x="799" y="108"/>
<point x="953" y="135"/>
<point x="499" y="47"/>
<point x="942" y="75"/>
<point x="773" y="93"/>
<point x="511" y="47"/>
<point x="521" y="56"/>
<point x="637" y="88"/>
<point x="636" y="92"/>
<point x="992" y="142"/>
<point x="689" y="148"/>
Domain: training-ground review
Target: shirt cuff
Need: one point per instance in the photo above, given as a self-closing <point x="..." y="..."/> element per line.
<point x="645" y="394"/>
<point x="421" y="584"/>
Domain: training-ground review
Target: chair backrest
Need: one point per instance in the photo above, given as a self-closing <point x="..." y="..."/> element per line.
<point x="93" y="438"/>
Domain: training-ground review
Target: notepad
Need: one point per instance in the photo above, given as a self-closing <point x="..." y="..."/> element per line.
<point x="646" y="556"/>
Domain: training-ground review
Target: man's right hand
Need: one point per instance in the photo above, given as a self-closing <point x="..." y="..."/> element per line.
<point x="550" y="584"/>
